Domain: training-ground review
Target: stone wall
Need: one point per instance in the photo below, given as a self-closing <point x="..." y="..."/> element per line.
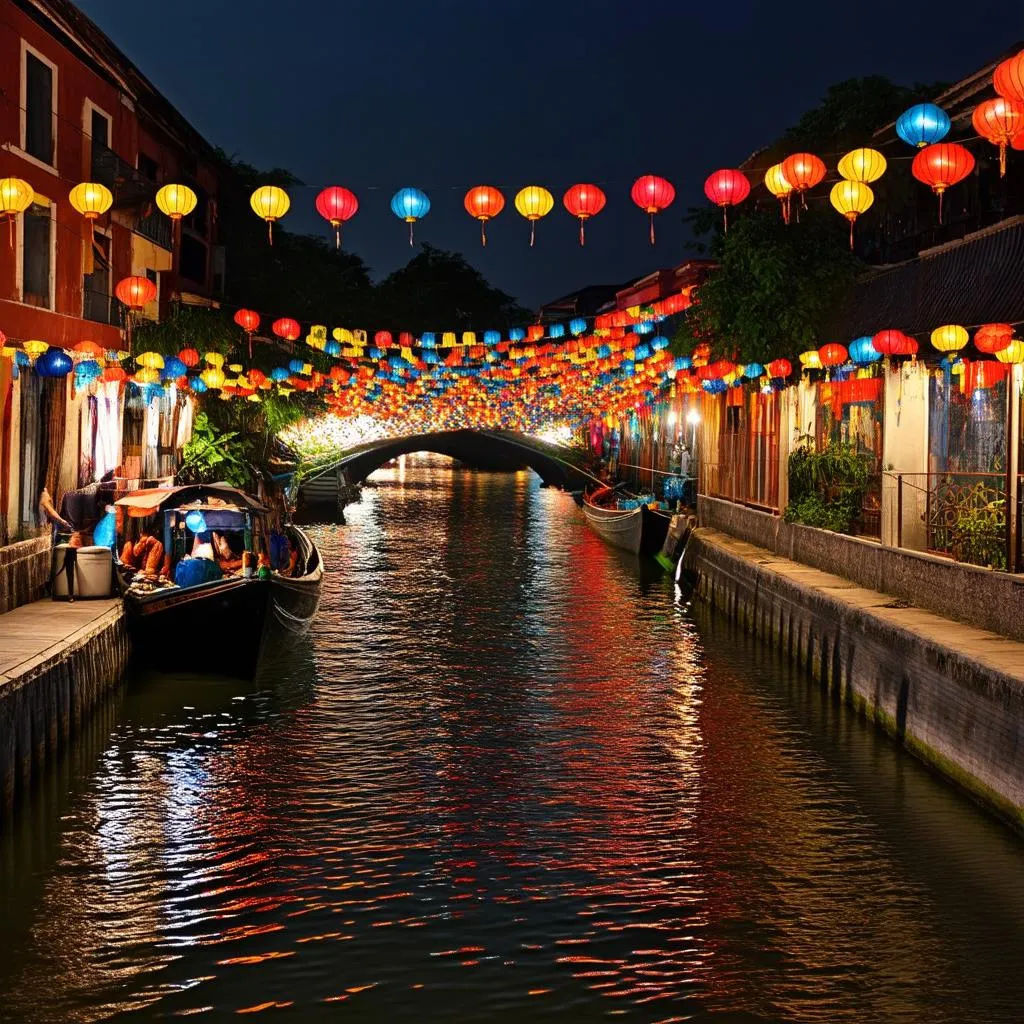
<point x="24" y="572"/>
<point x="962" y="717"/>
<point x="965" y="593"/>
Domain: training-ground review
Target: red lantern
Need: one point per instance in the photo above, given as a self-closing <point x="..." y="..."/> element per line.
<point x="992" y="338"/>
<point x="534" y="332"/>
<point x="337" y="205"/>
<point x="999" y="120"/>
<point x="1008" y="78"/>
<point x="941" y="165"/>
<point x="189" y="356"/>
<point x="382" y="339"/>
<point x="256" y="377"/>
<point x="832" y="354"/>
<point x="803" y="171"/>
<point x="286" y="328"/>
<point x="652" y="194"/>
<point x="115" y="373"/>
<point x="780" y="368"/>
<point x="726" y="188"/>
<point x="484" y="202"/>
<point x="135" y="292"/>
<point x="584" y="201"/>
<point x="894" y="343"/>
<point x="248" y="320"/>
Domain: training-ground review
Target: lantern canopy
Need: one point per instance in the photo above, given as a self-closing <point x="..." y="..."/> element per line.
<point x="336" y="205"/>
<point x="864" y="165"/>
<point x="851" y="199"/>
<point x="652" y="194"/>
<point x="583" y="202"/>
<point x="484" y="202"/>
<point x="410" y="204"/>
<point x="999" y="120"/>
<point x="534" y="202"/>
<point x="176" y="201"/>
<point x="726" y="188"/>
<point x="271" y="203"/>
<point x="923" y="125"/>
<point x="942" y="165"/>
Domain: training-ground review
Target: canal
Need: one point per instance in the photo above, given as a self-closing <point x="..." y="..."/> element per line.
<point x="509" y="778"/>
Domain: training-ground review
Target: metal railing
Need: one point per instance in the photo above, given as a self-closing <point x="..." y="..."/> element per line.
<point x="129" y="187"/>
<point x="157" y="228"/>
<point x="728" y="482"/>
<point x="100" y="308"/>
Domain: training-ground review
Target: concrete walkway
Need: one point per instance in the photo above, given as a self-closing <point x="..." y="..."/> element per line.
<point x="37" y="633"/>
<point x="993" y="651"/>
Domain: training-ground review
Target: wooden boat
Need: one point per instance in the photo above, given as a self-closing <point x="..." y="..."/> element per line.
<point x="224" y="623"/>
<point x="641" y="530"/>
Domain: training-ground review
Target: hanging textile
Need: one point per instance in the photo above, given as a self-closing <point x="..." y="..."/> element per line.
<point x="31" y="385"/>
<point x="6" y="443"/>
<point x="55" y="411"/>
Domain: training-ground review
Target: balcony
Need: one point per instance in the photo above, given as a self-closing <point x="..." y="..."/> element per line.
<point x="157" y="228"/>
<point x="101" y="308"/>
<point x="129" y="187"/>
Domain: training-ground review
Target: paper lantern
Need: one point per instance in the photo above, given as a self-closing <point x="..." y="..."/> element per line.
<point x="54" y="362"/>
<point x="923" y="125"/>
<point x="949" y="338"/>
<point x="832" y="354"/>
<point x="862" y="351"/>
<point x="780" y="368"/>
<point x="271" y="203"/>
<point x="213" y="378"/>
<point x="189" y="356"/>
<point x="382" y="339"/>
<point x="91" y="199"/>
<point x="534" y="202"/>
<point x="214" y="359"/>
<point x="1013" y="353"/>
<point x="894" y="343"/>
<point x="851" y="199"/>
<point x="803" y="171"/>
<point x="999" y="120"/>
<point x="577" y="326"/>
<point x="779" y="185"/>
<point x="726" y="188"/>
<point x="1008" y="78"/>
<point x="484" y="202"/>
<point x="87" y="350"/>
<point x="810" y="360"/>
<point x="286" y="328"/>
<point x="114" y="374"/>
<point x="992" y="338"/>
<point x="942" y="165"/>
<point x="410" y="205"/>
<point x="87" y="371"/>
<point x="247" y="319"/>
<point x="174" y="368"/>
<point x="864" y="165"/>
<point x="652" y="194"/>
<point x="135" y="292"/>
<point x="583" y="202"/>
<point x="176" y="201"/>
<point x="278" y="373"/>
<point x="336" y="205"/>
<point x="150" y="360"/>
<point x="16" y="197"/>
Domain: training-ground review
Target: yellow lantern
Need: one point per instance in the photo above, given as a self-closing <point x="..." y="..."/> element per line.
<point x="213" y="377"/>
<point x="271" y="203"/>
<point x="776" y="183"/>
<point x="34" y="349"/>
<point x="863" y="165"/>
<point x="214" y="359"/>
<point x="150" y="360"/>
<point x="235" y="367"/>
<point x="16" y="197"/>
<point x="448" y="339"/>
<point x="176" y="201"/>
<point x="534" y="202"/>
<point x="950" y="338"/>
<point x="810" y="360"/>
<point x="1013" y="353"/>
<point x="468" y="338"/>
<point x="91" y="199"/>
<point x="851" y="199"/>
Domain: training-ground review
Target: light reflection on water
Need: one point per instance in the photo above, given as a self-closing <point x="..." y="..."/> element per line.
<point x="510" y="778"/>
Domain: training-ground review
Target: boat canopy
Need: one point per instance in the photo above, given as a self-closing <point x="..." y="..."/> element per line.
<point x="191" y="496"/>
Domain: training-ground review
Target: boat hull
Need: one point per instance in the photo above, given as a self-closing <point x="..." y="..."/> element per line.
<point x="641" y="531"/>
<point x="294" y="602"/>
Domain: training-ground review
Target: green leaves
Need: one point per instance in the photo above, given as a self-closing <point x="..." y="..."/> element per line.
<point x="827" y="487"/>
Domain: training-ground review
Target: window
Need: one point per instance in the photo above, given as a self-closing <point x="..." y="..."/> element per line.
<point x="39" y="108"/>
<point x="99" y="130"/>
<point x="37" y="235"/>
<point x="192" y="260"/>
<point x="149" y="168"/>
<point x="96" y="304"/>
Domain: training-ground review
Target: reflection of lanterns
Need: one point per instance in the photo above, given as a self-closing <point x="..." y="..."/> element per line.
<point x="999" y="120"/>
<point x="583" y="202"/>
<point x="851" y="199"/>
<point x="941" y="166"/>
<point x="337" y="205"/>
<point x="16" y="197"/>
<point x="864" y="165"/>
<point x="652" y="194"/>
<point x="410" y="205"/>
<point x="135" y="292"/>
<point x="484" y="202"/>
<point x="780" y="187"/>
<point x="176" y="201"/>
<point x="271" y="203"/>
<point x="726" y="188"/>
<point x="922" y="125"/>
<point x="949" y="338"/>
<point x="534" y="202"/>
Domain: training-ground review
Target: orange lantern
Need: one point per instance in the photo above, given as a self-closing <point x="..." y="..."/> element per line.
<point x="484" y="202"/>
<point x="135" y="292"/>
<point x="941" y="165"/>
<point x="999" y="120"/>
<point x="803" y="171"/>
<point x="993" y="338"/>
<point x="833" y="354"/>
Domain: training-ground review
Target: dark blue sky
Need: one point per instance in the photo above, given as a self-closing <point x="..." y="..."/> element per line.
<point x="446" y="94"/>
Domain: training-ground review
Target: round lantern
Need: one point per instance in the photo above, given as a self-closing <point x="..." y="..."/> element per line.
<point x="832" y="354"/>
<point x="583" y="202"/>
<point x="213" y="378"/>
<point x="410" y="205"/>
<point x="135" y="292"/>
<point x="150" y="360"/>
<point x="949" y="338"/>
<point x="174" y="368"/>
<point x="779" y="368"/>
<point x="803" y="171"/>
<point x="16" y="197"/>
<point x="1013" y="353"/>
<point x="851" y="199"/>
<point x="1008" y="78"/>
<point x="999" y="120"/>
<point x="863" y="352"/>
<point x="894" y="343"/>
<point x="810" y="360"/>
<point x="780" y="187"/>
<point x="87" y="349"/>
<point x="942" y="165"/>
<point x="91" y="199"/>
<point x="247" y="319"/>
<point x="382" y="339"/>
<point x="214" y="359"/>
<point x="189" y="356"/>
<point x="286" y="328"/>
<point x="652" y="194"/>
<point x="271" y="203"/>
<point x="993" y="338"/>
<point x="726" y="188"/>
<point x="923" y="125"/>
<point x="577" y="326"/>
<point x="176" y="201"/>
<point x="864" y="165"/>
<point x="54" y="362"/>
<point x="484" y="202"/>
<point x="534" y="202"/>
<point x="114" y="374"/>
<point x="336" y="205"/>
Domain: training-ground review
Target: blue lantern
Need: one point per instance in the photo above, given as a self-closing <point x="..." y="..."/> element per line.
<point x="196" y="521"/>
<point x="87" y="371"/>
<point x="428" y="340"/>
<point x="862" y="351"/>
<point x="752" y="371"/>
<point x="683" y="363"/>
<point x="332" y="348"/>
<point x="922" y="124"/>
<point x="577" y="326"/>
<point x="644" y="327"/>
<point x="197" y="384"/>
<point x="492" y="337"/>
<point x="278" y="373"/>
<point x="556" y="331"/>
<point x="54" y="362"/>
<point x="410" y="204"/>
<point x="173" y="368"/>
<point x="296" y="365"/>
<point x="516" y="334"/>
<point x="658" y="342"/>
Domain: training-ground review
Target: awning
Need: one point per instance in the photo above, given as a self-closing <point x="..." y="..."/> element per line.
<point x="154" y="499"/>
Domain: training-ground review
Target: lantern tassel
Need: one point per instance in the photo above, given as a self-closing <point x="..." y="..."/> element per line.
<point x="533" y="232"/>
<point x="725" y="220"/>
<point x="483" y="231"/>
<point x="1002" y="159"/>
<point x="940" y="191"/>
<point x="270" y="231"/>
<point x="652" y="227"/>
<point x="410" y="232"/>
<point x="583" y="238"/>
<point x="337" y="235"/>
<point x="852" y="219"/>
<point x="10" y="229"/>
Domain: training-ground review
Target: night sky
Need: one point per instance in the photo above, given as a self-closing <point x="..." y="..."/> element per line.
<point x="378" y="94"/>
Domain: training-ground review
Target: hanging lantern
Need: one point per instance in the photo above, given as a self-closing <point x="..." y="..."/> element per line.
<point x="176" y="201"/>
<point x="135" y="292"/>
<point x="1013" y="354"/>
<point x="189" y="356"/>
<point x="534" y="202"/>
<point x="286" y="329"/>
<point x="851" y="199"/>
<point x="16" y="197"/>
<point x="1008" y="78"/>
<point x="862" y="351"/>
<point x="949" y="338"/>
<point x="863" y="165"/>
<point x="87" y="350"/>
<point x="247" y="319"/>
<point x="54" y="362"/>
<point x="993" y="338"/>
<point x="410" y="205"/>
<point x="779" y="368"/>
<point x="923" y="125"/>
<point x="173" y="368"/>
<point x="652" y="194"/>
<point x="780" y="187"/>
<point x="584" y="202"/>
<point x="91" y="199"/>
<point x="999" y="120"/>
<point x="150" y="360"/>
<point x="114" y="374"/>
<point x="894" y="343"/>
<point x="803" y="171"/>
<point x="832" y="354"/>
<point x="34" y="348"/>
<point x="336" y="205"/>
<point x="940" y="166"/>
<point x="577" y="326"/>
<point x="214" y="359"/>
<point x="484" y="202"/>
<point x="271" y="203"/>
<point x="726" y="188"/>
<point x="810" y="360"/>
<point x="213" y="378"/>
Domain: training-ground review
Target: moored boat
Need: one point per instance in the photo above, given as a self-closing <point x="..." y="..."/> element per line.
<point x="207" y="582"/>
<point x="640" y="530"/>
